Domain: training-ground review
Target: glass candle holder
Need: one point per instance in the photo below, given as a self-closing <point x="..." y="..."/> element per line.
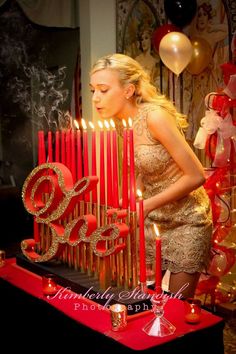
<point x="49" y="284"/>
<point x="2" y="258"/>
<point x="192" y="309"/>
<point x="159" y="326"/>
<point x="118" y="317"/>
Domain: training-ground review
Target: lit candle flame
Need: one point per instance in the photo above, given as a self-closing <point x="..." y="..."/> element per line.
<point x="124" y="123"/>
<point x="91" y="125"/>
<point x="156" y="231"/>
<point x="130" y="122"/>
<point x="76" y="124"/>
<point x="84" y="125"/>
<point x="139" y="193"/>
<point x="100" y="124"/>
<point x="112" y="123"/>
<point x="106" y="124"/>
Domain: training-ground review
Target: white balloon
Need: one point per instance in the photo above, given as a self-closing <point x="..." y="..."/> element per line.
<point x="175" y="51"/>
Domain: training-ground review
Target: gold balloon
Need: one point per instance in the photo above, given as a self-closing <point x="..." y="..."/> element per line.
<point x="201" y="57"/>
<point x="175" y="51"/>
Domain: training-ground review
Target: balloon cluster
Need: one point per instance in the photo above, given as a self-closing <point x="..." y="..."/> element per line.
<point x="174" y="47"/>
<point x="176" y="50"/>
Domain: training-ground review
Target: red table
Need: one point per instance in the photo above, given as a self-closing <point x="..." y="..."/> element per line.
<point x="93" y="317"/>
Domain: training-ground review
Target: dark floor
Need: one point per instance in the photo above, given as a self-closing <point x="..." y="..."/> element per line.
<point x="230" y="324"/>
<point x="230" y="337"/>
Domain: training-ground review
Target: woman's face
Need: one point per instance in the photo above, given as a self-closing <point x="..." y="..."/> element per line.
<point x="202" y="19"/>
<point x="108" y="94"/>
<point x="146" y="41"/>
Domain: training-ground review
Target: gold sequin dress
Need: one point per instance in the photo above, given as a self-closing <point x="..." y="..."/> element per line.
<point x="185" y="225"/>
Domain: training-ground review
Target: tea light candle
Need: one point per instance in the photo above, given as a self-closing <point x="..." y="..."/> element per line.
<point x="2" y="258"/>
<point x="118" y="317"/>
<point x="192" y="310"/>
<point x="49" y="284"/>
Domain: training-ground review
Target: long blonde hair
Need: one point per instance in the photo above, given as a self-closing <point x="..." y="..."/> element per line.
<point x="131" y="72"/>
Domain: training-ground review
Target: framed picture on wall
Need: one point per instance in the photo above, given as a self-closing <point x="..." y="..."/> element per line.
<point x="136" y="22"/>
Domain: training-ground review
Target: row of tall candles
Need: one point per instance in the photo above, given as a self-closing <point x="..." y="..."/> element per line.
<point x="71" y="147"/>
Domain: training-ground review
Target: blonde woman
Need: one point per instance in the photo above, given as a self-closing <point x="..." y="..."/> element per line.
<point x="168" y="171"/>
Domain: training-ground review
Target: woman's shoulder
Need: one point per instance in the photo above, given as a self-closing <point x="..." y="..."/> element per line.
<point x="154" y="112"/>
<point x="147" y="107"/>
<point x="151" y="119"/>
<point x="154" y="116"/>
<point x="160" y="122"/>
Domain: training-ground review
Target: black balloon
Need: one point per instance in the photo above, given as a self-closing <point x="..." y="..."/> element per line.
<point x="180" y="12"/>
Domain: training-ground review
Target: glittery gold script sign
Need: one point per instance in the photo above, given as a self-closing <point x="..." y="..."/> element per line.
<point x="55" y="181"/>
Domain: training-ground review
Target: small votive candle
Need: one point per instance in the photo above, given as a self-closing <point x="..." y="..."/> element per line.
<point x="192" y="310"/>
<point x="2" y="258"/>
<point x="49" y="284"/>
<point x="118" y="317"/>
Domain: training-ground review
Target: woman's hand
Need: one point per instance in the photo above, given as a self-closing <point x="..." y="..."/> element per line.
<point x="146" y="210"/>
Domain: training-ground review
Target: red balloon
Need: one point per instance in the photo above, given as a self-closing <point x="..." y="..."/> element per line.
<point x="160" y="32"/>
<point x="222" y="261"/>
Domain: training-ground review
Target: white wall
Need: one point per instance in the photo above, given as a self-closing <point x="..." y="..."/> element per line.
<point x="97" y="38"/>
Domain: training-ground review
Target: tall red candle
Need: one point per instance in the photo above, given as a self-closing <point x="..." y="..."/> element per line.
<point x="85" y="155"/>
<point x="41" y="148"/>
<point x="63" y="148"/>
<point x="109" y="166"/>
<point x="132" y="169"/>
<point x="115" y="166"/>
<point x="142" y="251"/>
<point x="94" y="161"/>
<point x="57" y="146"/>
<point x="68" y="149"/>
<point x="79" y="156"/>
<point x="50" y="153"/>
<point x="79" y="173"/>
<point x="125" y="170"/>
<point x="158" y="275"/>
<point x="102" y="173"/>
